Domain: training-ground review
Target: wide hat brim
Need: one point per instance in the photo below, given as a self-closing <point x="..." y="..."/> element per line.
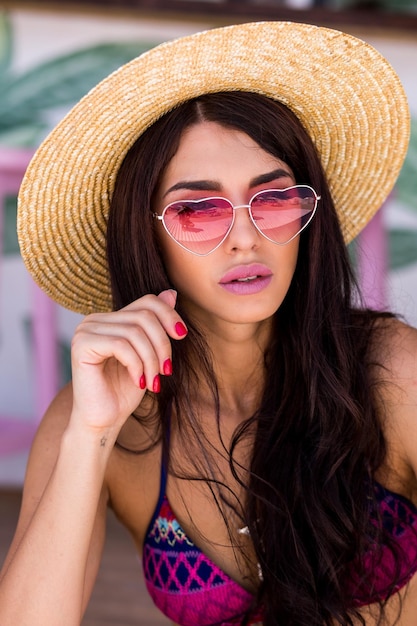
<point x="347" y="96"/>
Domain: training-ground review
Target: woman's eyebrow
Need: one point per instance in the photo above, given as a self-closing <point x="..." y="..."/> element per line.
<point x="194" y="185"/>
<point x="213" y="185"/>
<point x="269" y="177"/>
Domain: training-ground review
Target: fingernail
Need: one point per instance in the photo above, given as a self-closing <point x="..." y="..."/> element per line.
<point x="167" y="367"/>
<point x="156" y="387"/>
<point x="142" y="382"/>
<point x="180" y="329"/>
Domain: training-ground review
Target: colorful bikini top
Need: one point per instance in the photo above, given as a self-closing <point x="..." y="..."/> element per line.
<point x="191" y="590"/>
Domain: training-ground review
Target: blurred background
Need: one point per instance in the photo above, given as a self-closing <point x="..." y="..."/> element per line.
<point x="51" y="54"/>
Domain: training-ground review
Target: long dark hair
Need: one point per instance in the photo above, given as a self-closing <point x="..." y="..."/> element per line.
<point x="318" y="439"/>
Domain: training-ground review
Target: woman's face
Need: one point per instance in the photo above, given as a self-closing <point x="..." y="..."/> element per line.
<point x="216" y="161"/>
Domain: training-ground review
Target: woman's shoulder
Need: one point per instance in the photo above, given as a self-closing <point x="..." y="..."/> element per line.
<point x="395" y="352"/>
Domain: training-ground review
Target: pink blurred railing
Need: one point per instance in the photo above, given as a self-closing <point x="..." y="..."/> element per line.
<point x="16" y="433"/>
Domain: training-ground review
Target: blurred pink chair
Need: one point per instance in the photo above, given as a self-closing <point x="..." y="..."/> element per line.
<point x="16" y="433"/>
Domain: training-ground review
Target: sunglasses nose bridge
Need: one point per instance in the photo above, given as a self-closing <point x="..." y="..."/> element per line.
<point x="241" y="206"/>
<point x="248" y="219"/>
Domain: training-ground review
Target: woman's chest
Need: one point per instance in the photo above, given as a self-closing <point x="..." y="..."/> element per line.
<point x="206" y="516"/>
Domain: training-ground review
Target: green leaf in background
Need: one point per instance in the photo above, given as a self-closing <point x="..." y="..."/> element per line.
<point x="5" y="46"/>
<point x="10" y="244"/>
<point x="28" y="99"/>
<point x="23" y="135"/>
<point x="60" y="82"/>
<point x="402" y="245"/>
<point x="406" y="187"/>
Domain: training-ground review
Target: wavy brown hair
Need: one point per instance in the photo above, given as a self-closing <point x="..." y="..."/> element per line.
<point x="318" y="438"/>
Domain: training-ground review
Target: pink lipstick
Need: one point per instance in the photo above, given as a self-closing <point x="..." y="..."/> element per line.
<point x="246" y="280"/>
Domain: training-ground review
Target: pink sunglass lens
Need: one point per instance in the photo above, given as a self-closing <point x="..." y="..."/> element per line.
<point x="281" y="214"/>
<point x="199" y="225"/>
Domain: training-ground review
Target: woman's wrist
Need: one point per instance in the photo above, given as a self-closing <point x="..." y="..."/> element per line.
<point x="96" y="442"/>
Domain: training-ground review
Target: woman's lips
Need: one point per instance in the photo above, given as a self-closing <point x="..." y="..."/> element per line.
<point x="246" y="279"/>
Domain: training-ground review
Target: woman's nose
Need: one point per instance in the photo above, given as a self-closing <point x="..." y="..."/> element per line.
<point x="243" y="235"/>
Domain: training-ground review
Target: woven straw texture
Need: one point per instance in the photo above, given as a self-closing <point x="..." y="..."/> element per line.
<point x="345" y="93"/>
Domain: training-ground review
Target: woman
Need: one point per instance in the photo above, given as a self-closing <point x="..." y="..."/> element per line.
<point x="246" y="419"/>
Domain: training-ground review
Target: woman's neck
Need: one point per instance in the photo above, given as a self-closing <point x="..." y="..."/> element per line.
<point x="238" y="353"/>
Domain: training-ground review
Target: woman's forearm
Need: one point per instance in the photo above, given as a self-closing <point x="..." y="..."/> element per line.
<point x="43" y="581"/>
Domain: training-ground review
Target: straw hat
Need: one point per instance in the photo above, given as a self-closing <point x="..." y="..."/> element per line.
<point x="344" y="92"/>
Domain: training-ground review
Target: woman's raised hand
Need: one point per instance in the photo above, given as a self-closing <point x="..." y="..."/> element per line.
<point x="117" y="356"/>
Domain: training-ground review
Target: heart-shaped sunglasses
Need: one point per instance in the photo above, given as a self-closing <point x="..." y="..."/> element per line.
<point x="200" y="226"/>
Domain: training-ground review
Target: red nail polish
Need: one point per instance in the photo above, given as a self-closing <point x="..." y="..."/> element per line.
<point x="167" y="367"/>
<point x="156" y="387"/>
<point x="142" y="382"/>
<point x="180" y="329"/>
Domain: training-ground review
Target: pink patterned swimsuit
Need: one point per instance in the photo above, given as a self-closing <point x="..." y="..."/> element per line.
<point x="399" y="519"/>
<point x="192" y="591"/>
<point x="183" y="582"/>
